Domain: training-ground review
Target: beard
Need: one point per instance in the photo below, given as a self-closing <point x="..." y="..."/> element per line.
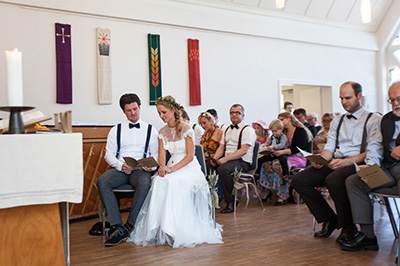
<point x="396" y="111"/>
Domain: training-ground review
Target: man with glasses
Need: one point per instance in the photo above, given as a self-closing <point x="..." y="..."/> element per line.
<point x="358" y="191"/>
<point x="348" y="138"/>
<point x="235" y="152"/>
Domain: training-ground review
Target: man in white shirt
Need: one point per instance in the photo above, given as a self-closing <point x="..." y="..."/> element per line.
<point x="214" y="113"/>
<point x="132" y="138"/>
<point x="358" y="191"/>
<point x="347" y="142"/>
<point x="235" y="152"/>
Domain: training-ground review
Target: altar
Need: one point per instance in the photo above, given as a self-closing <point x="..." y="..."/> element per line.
<point x="39" y="175"/>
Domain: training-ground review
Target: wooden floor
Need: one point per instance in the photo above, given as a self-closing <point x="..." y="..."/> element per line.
<point x="280" y="235"/>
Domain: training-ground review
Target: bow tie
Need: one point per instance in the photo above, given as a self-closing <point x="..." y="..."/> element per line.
<point x="137" y="125"/>
<point x="351" y="116"/>
<point x="395" y="117"/>
<point x="234" y="126"/>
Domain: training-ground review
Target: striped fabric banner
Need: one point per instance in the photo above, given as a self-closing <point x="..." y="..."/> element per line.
<point x="154" y="67"/>
<point x="104" y="82"/>
<point x="194" y="72"/>
<point x="64" y="63"/>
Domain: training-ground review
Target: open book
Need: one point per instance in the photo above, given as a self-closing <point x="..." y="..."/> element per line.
<point x="148" y="162"/>
<point x="212" y="159"/>
<point x="29" y="119"/>
<point x="314" y="158"/>
<point x="267" y="152"/>
<point x="373" y="175"/>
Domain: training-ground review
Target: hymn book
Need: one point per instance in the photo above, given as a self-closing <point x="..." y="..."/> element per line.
<point x="372" y="175"/>
<point x="314" y="158"/>
<point x="148" y="162"/>
<point x="212" y="159"/>
<point x="267" y="152"/>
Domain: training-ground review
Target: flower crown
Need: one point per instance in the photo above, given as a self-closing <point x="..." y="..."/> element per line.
<point x="170" y="101"/>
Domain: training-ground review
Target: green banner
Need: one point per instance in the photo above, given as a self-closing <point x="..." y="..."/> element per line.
<point x="154" y="67"/>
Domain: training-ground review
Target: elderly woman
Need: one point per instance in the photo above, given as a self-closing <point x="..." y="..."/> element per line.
<point x="271" y="176"/>
<point x="322" y="136"/>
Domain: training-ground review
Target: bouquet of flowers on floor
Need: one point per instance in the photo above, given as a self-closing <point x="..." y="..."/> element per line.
<point x="213" y="180"/>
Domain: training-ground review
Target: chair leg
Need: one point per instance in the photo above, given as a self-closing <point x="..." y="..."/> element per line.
<point x="313" y="224"/>
<point x="391" y="218"/>
<point x="234" y="202"/>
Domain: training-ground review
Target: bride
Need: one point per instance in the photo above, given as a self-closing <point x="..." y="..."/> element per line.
<point x="177" y="208"/>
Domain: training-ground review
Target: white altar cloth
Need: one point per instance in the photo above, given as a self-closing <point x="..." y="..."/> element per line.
<point x="40" y="169"/>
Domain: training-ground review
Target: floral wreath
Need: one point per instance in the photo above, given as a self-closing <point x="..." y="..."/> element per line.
<point x="170" y="101"/>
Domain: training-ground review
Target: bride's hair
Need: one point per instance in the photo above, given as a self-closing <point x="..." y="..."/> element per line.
<point x="170" y="103"/>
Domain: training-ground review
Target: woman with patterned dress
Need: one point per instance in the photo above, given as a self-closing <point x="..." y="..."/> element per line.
<point x="271" y="172"/>
<point x="212" y="134"/>
<point x="322" y="136"/>
<point x="177" y="209"/>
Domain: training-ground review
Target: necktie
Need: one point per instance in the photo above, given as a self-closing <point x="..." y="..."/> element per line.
<point x="234" y="126"/>
<point x="351" y="116"/>
<point x="137" y="125"/>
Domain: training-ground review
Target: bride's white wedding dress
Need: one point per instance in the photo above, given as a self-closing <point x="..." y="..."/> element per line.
<point x="177" y="209"/>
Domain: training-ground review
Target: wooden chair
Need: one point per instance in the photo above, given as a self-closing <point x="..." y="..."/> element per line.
<point x="247" y="179"/>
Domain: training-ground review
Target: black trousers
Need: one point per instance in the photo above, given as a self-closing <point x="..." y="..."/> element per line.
<point x="305" y="184"/>
<point x="225" y="173"/>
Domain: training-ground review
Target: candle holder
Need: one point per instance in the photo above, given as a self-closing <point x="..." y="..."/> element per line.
<point x="16" y="124"/>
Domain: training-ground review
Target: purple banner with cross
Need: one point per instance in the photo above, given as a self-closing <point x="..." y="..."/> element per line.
<point x="64" y="65"/>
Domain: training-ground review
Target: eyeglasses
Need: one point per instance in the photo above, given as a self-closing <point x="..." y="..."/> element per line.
<point x="235" y="113"/>
<point x="326" y="121"/>
<point x="394" y="100"/>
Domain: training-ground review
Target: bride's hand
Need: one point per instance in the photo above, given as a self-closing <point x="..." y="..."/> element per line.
<point x="161" y="171"/>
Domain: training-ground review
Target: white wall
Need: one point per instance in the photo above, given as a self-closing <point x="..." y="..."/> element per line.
<point x="234" y="68"/>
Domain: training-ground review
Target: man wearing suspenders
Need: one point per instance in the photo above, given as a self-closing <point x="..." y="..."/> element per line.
<point x="235" y="152"/>
<point x="132" y="138"/>
<point x="348" y="138"/>
<point x="358" y="191"/>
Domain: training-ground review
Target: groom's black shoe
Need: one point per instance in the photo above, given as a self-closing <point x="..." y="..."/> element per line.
<point x="120" y="235"/>
<point x="327" y="228"/>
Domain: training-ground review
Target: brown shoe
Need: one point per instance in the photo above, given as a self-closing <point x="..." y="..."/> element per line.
<point x="228" y="208"/>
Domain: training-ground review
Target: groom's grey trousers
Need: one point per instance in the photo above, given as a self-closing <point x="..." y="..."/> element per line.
<point x="139" y="179"/>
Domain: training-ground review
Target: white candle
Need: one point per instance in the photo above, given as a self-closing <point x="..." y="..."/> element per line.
<point x="14" y="78"/>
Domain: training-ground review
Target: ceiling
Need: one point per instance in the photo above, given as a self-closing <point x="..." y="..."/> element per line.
<point x="338" y="13"/>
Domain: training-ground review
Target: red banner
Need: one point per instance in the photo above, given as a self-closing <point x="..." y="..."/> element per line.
<point x="194" y="72"/>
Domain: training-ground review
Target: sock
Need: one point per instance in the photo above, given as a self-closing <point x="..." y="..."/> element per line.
<point x="368" y="230"/>
<point x="128" y="227"/>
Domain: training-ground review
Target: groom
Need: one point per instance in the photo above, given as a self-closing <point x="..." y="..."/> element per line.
<point x="132" y="138"/>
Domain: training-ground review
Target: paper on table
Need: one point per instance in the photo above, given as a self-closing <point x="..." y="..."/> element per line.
<point x="315" y="158"/>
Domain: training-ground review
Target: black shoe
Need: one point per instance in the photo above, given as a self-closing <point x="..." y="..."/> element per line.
<point x="97" y="228"/>
<point x="347" y="235"/>
<point x="120" y="235"/>
<point x="327" y="229"/>
<point x="267" y="197"/>
<point x="228" y="208"/>
<point x="280" y="203"/>
<point x="361" y="242"/>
